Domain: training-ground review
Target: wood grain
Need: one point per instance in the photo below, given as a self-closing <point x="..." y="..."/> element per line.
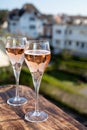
<point x="12" y="118"/>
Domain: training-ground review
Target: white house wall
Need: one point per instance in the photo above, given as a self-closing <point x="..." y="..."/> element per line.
<point x="79" y="33"/>
<point x="57" y="36"/>
<point x="73" y="34"/>
<point x="14" y="28"/>
<point x="24" y="25"/>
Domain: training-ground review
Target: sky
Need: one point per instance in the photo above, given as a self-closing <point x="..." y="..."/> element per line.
<point x="71" y="7"/>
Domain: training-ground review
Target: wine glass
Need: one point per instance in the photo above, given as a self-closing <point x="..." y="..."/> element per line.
<point x="15" y="50"/>
<point x="37" y="57"/>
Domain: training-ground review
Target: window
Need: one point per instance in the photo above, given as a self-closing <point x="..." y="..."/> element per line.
<point x="70" y="42"/>
<point x="70" y="31"/>
<point x="77" y="43"/>
<point x="14" y="24"/>
<point x="58" y="31"/>
<point x="65" y="31"/>
<point x="32" y="18"/>
<point x="82" y="45"/>
<point x="57" y="41"/>
<point x="65" y="42"/>
<point x="32" y="27"/>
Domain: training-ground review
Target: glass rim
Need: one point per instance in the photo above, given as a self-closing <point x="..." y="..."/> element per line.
<point x="38" y="40"/>
<point x="16" y="37"/>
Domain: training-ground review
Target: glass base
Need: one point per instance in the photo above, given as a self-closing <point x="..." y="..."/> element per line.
<point x="17" y="101"/>
<point x="39" y="116"/>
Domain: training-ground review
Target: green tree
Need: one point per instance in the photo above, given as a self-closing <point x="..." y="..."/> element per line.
<point x="3" y="16"/>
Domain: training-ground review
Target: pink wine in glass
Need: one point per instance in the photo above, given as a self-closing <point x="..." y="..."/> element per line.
<point x="37" y="61"/>
<point x="16" y="56"/>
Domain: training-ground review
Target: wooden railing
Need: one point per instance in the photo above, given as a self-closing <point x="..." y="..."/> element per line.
<point x="12" y="118"/>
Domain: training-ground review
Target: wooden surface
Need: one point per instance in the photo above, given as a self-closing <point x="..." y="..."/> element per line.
<point x="12" y="118"/>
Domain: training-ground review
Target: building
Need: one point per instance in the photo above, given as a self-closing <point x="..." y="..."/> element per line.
<point x="71" y="35"/>
<point x="4" y="60"/>
<point x="29" y="21"/>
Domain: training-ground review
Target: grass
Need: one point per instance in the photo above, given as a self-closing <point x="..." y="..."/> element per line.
<point x="68" y="86"/>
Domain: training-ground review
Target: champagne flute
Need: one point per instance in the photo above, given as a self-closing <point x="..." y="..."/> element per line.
<point x="37" y="57"/>
<point x="15" y="50"/>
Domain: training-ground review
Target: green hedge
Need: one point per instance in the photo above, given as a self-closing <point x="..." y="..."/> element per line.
<point x="76" y="67"/>
<point x="77" y="64"/>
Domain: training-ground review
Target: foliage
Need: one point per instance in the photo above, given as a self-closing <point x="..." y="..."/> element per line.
<point x="75" y="67"/>
<point x="63" y="75"/>
<point x="6" y="76"/>
<point x="78" y="58"/>
<point x="66" y="55"/>
<point x="57" y="83"/>
<point x="71" y="65"/>
<point x="3" y="16"/>
<point x="25" y="77"/>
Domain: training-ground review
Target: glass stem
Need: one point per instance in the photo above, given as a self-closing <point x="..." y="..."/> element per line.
<point x="36" y="98"/>
<point x="17" y="84"/>
<point x="17" y="75"/>
<point x="36" y="82"/>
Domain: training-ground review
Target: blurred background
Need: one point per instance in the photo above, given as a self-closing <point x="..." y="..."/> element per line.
<point x="64" y="24"/>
